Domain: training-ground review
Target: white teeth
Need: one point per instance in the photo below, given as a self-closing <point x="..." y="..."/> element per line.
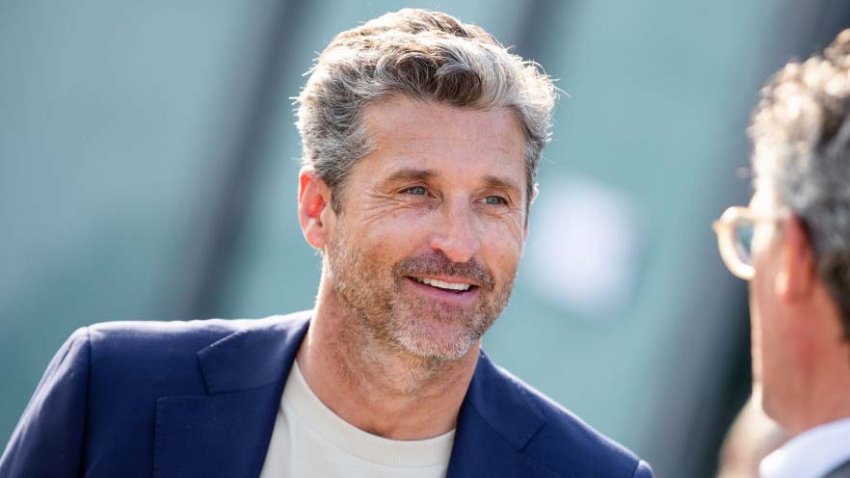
<point x="444" y="285"/>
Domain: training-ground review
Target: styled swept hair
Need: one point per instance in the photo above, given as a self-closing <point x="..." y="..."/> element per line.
<point x="422" y="55"/>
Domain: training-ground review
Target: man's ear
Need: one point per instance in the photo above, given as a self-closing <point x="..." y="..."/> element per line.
<point x="798" y="269"/>
<point x="314" y="211"/>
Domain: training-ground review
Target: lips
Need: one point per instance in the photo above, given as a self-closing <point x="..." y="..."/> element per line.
<point x="434" y="271"/>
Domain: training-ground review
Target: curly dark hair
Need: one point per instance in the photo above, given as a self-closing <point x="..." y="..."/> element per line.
<point x="801" y="136"/>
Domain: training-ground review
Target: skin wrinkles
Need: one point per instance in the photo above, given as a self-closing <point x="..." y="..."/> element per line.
<point x="391" y="197"/>
<point x="438" y="197"/>
<point x="443" y="197"/>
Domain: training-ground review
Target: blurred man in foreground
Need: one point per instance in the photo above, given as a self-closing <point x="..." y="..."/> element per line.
<point x="421" y="141"/>
<point x="793" y="244"/>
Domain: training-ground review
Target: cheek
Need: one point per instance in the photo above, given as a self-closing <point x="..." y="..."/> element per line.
<point x="391" y="241"/>
<point x="768" y="330"/>
<point x="504" y="248"/>
<point x="761" y="308"/>
<point x="757" y="299"/>
<point x="755" y="331"/>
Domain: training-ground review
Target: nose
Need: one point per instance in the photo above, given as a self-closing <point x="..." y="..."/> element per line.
<point x="456" y="235"/>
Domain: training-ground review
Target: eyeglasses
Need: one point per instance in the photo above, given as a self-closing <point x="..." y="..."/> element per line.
<point x="735" y="230"/>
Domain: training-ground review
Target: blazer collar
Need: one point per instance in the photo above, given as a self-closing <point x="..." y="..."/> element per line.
<point x="496" y="421"/>
<point x="503" y="402"/>
<point x="259" y="354"/>
<point x="227" y="431"/>
<point x="244" y="374"/>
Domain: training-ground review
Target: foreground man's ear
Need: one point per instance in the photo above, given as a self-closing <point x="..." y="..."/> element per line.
<point x="314" y="212"/>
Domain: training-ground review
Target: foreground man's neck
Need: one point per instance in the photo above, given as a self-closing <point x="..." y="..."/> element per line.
<point x="821" y="374"/>
<point x="385" y="392"/>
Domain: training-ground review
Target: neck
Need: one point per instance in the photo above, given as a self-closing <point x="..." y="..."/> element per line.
<point x="823" y="356"/>
<point x="827" y="398"/>
<point x="378" y="388"/>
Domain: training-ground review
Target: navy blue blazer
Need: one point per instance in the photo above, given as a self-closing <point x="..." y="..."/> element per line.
<point x="199" y="399"/>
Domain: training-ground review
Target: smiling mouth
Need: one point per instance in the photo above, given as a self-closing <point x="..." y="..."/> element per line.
<point x="454" y="287"/>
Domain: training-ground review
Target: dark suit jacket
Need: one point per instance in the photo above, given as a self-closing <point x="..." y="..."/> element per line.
<point x="843" y="471"/>
<point x="199" y="399"/>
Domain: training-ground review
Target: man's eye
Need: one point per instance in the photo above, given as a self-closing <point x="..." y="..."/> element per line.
<point x="416" y="191"/>
<point x="495" y="201"/>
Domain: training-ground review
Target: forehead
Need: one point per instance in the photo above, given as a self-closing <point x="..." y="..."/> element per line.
<point x="407" y="132"/>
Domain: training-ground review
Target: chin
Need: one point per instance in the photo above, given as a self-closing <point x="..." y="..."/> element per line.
<point x="440" y="342"/>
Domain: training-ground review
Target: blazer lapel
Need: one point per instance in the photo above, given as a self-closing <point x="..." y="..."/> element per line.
<point x="226" y="432"/>
<point x="495" y="423"/>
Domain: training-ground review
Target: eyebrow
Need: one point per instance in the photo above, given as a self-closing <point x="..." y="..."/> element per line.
<point x="414" y="174"/>
<point x="501" y="183"/>
<point x="408" y="174"/>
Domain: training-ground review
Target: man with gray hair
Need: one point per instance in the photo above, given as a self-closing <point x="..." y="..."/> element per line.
<point x="793" y="244"/>
<point x="421" y="136"/>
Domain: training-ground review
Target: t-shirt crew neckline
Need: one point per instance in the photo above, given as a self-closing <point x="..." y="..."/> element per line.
<point x="300" y="399"/>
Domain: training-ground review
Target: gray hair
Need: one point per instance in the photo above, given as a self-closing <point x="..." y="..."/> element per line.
<point x="425" y="56"/>
<point x="801" y="135"/>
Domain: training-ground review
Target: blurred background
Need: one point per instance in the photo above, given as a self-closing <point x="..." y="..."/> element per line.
<point x="148" y="165"/>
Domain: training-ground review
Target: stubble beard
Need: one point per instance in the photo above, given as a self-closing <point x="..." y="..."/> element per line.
<point x="403" y="323"/>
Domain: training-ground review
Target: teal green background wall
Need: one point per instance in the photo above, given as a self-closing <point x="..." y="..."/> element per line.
<point x="148" y="167"/>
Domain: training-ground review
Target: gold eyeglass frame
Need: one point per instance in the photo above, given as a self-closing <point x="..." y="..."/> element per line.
<point x="724" y="227"/>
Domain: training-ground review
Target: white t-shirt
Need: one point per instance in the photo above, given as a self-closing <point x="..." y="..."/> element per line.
<point x="811" y="454"/>
<point x="310" y="440"/>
